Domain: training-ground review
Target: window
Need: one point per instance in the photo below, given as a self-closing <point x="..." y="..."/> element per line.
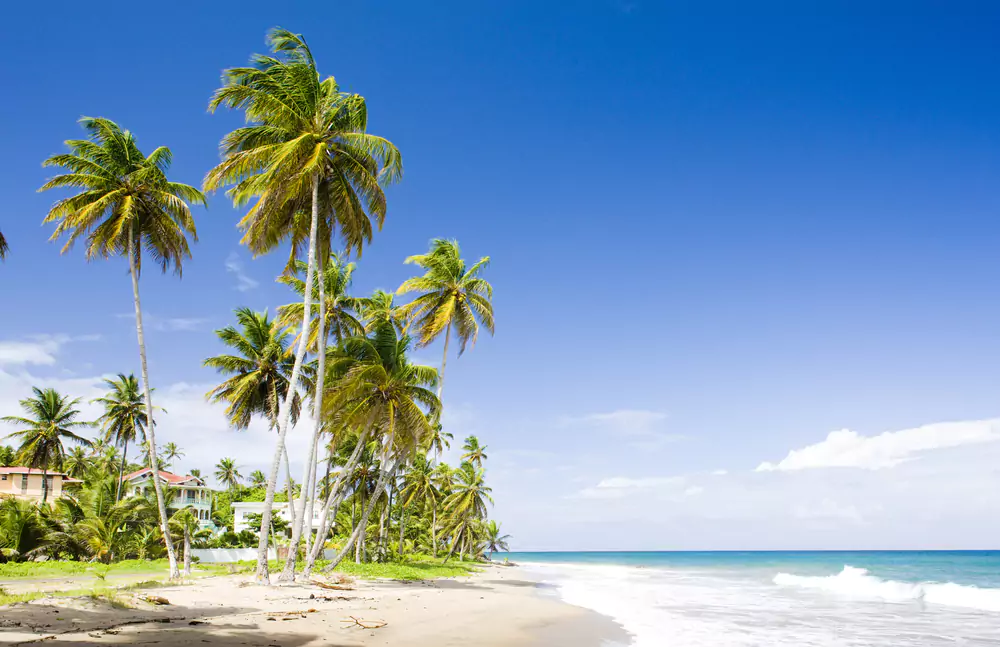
<point x="24" y="483"/>
<point x="3" y="477"/>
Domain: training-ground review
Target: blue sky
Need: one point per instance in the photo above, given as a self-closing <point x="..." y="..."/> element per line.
<point x="717" y="236"/>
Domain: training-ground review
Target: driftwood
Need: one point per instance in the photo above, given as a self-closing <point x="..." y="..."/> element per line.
<point x="333" y="587"/>
<point x="287" y="614"/>
<point x="154" y="599"/>
<point x="365" y="624"/>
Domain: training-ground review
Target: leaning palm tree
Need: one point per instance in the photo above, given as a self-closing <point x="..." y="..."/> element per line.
<point x="228" y="474"/>
<point x="306" y="148"/>
<point x="495" y="541"/>
<point x="466" y="504"/>
<point x="474" y="452"/>
<point x="384" y="392"/>
<point x="50" y="421"/>
<point x="124" y="419"/>
<point x="450" y="295"/>
<point x="125" y="205"/>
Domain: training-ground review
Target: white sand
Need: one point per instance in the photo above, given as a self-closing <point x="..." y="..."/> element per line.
<point x="496" y="608"/>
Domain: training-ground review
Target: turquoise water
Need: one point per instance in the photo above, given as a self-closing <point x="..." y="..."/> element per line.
<point x="800" y="598"/>
<point x="972" y="568"/>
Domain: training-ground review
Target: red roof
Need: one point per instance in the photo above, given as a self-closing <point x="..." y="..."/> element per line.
<point x="169" y="477"/>
<point x="28" y="470"/>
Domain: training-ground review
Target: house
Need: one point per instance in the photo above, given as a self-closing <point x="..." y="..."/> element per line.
<point x="31" y="483"/>
<point x="242" y="511"/>
<point x="190" y="492"/>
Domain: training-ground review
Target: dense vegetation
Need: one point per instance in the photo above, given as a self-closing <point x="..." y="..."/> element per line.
<point x="331" y="365"/>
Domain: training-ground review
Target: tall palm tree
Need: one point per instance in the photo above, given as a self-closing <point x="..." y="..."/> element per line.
<point x="3" y="247"/>
<point x="495" y="541"/>
<point x="306" y="147"/>
<point x="124" y="419"/>
<point x="450" y="295"/>
<point x="51" y="420"/>
<point x="474" y="452"/>
<point x="383" y="391"/>
<point x="228" y="474"/>
<point x="334" y="314"/>
<point x="171" y="452"/>
<point x="125" y="205"/>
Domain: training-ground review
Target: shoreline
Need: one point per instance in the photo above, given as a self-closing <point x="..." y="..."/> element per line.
<point x="498" y="607"/>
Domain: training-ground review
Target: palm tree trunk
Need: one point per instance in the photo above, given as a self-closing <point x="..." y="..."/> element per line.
<point x="150" y="425"/>
<point x="303" y="521"/>
<point x="289" y="490"/>
<point x="454" y="543"/>
<point x="434" y="523"/>
<point x="444" y="359"/>
<point x="285" y="410"/>
<point x="187" y="550"/>
<point x="45" y="483"/>
<point x="121" y="472"/>
<point x="402" y="527"/>
<point x="362" y="524"/>
<point x="333" y="501"/>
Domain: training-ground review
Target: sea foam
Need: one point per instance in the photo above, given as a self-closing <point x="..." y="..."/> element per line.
<point x="857" y="583"/>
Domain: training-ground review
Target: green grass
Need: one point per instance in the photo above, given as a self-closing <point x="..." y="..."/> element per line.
<point x="58" y="568"/>
<point x="13" y="598"/>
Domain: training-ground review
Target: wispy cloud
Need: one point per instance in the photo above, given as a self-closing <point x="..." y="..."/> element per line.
<point x="39" y="350"/>
<point x="234" y="265"/>
<point x="846" y="448"/>
<point x="168" y="324"/>
<point x="642" y="427"/>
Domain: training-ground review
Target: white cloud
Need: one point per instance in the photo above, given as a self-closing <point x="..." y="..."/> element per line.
<point x="619" y="486"/>
<point x="846" y="448"/>
<point x="38" y="350"/>
<point x="152" y="321"/>
<point x="694" y="490"/>
<point x="234" y="265"/>
<point x="641" y="427"/>
<point x="719" y="472"/>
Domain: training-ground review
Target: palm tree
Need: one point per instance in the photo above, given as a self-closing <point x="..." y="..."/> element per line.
<point x="53" y="417"/>
<point x="171" y="451"/>
<point x="126" y="204"/>
<point x="419" y="486"/>
<point x="474" y="452"/>
<point x="467" y="502"/>
<point x="22" y="530"/>
<point x="306" y="147"/>
<point x="339" y="309"/>
<point x="185" y="522"/>
<point x="383" y="391"/>
<point x="380" y="309"/>
<point x="439" y="440"/>
<point x="261" y="368"/>
<point x="494" y="540"/>
<point x="333" y="314"/>
<point x="124" y="419"/>
<point x="450" y="295"/>
<point x="228" y="474"/>
<point x="258" y="479"/>
<point x="3" y="247"/>
<point x="76" y="462"/>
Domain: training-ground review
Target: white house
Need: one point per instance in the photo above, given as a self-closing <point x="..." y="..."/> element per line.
<point x="191" y="492"/>
<point x="243" y="509"/>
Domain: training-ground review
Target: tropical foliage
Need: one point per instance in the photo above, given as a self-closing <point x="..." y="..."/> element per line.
<point x="313" y="178"/>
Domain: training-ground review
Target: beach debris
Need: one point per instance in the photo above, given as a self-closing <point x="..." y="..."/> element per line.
<point x="154" y="599"/>
<point x="333" y="587"/>
<point x="289" y="615"/>
<point x="365" y="624"/>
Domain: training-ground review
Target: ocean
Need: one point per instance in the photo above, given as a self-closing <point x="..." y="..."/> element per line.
<point x="806" y="599"/>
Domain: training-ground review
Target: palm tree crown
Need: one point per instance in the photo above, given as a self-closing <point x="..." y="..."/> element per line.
<point x="227" y="473"/>
<point x="301" y="128"/>
<point x="124" y="419"/>
<point x="3" y="247"/>
<point x="260" y="368"/>
<point x="474" y="452"/>
<point x="339" y="309"/>
<point x="125" y="200"/>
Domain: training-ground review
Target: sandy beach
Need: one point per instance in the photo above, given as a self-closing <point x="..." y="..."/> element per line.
<point x="499" y="607"/>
